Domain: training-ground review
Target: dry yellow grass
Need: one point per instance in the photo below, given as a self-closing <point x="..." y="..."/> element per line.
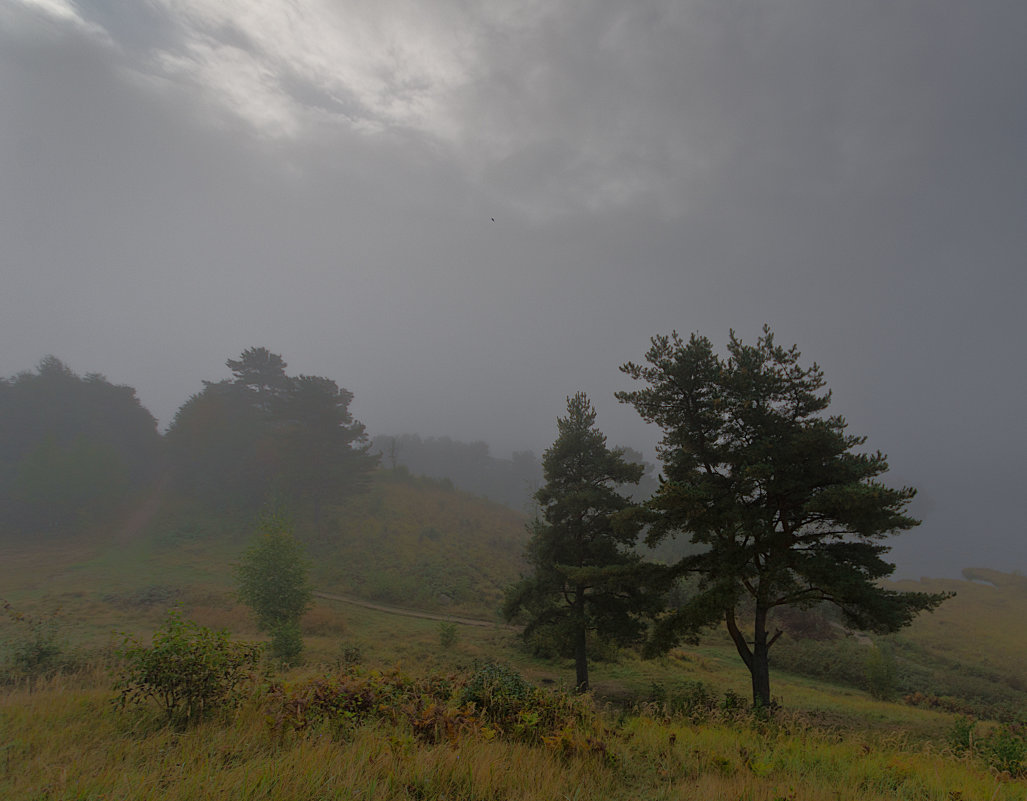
<point x="65" y="740"/>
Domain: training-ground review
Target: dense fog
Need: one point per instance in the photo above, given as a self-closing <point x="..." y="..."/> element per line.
<point x="462" y="216"/>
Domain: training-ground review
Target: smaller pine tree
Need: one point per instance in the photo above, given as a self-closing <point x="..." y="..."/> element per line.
<point x="586" y="576"/>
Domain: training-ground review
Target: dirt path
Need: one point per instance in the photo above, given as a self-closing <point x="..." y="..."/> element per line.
<point x="139" y="517"/>
<point x="395" y="610"/>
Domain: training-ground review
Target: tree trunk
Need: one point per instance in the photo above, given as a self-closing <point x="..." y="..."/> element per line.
<point x="760" y="667"/>
<point x="580" y="650"/>
<point x="756" y="658"/>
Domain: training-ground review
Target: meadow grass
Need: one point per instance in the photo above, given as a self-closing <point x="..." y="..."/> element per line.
<point x="415" y="545"/>
<point x="64" y="739"/>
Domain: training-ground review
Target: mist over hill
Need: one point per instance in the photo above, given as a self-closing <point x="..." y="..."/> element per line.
<point x="75" y="451"/>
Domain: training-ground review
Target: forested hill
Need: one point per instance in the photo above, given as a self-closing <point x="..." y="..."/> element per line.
<point x="77" y="452"/>
<point x="82" y="464"/>
<point x="472" y="468"/>
<point x="468" y="465"/>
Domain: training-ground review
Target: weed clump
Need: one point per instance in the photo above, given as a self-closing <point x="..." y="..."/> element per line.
<point x="693" y="701"/>
<point x="36" y="650"/>
<point x="1003" y="748"/>
<point x="495" y="690"/>
<point x="447" y="634"/>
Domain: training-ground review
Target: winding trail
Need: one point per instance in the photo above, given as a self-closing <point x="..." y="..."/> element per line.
<point x="143" y="512"/>
<point x="395" y="610"/>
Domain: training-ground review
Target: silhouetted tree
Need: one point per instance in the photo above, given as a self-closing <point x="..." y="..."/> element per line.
<point x="71" y="448"/>
<point x="585" y="574"/>
<point x="242" y="443"/>
<point x="262" y="373"/>
<point x="325" y="449"/>
<point x="783" y="512"/>
<point x="221" y="449"/>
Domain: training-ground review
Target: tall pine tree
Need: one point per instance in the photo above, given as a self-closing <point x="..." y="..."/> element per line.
<point x="780" y="508"/>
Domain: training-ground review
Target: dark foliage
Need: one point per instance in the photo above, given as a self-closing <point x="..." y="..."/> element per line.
<point x="494" y="701"/>
<point x="586" y="575"/>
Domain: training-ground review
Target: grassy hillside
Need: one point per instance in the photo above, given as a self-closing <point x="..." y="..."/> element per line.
<point x="674" y="727"/>
<point x="678" y="735"/>
<point x="411" y="542"/>
<point x="418" y="543"/>
<point x="982" y="625"/>
<point x="965" y="657"/>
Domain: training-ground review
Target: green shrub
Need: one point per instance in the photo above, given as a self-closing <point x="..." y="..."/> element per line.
<point x="350" y="655"/>
<point x="510" y="707"/>
<point x="348" y="699"/>
<point x="273" y="580"/>
<point x="495" y="702"/>
<point x="691" y="699"/>
<point x="497" y="691"/>
<point x="881" y="673"/>
<point x="733" y="702"/>
<point x="1004" y="748"/>
<point x="188" y="670"/>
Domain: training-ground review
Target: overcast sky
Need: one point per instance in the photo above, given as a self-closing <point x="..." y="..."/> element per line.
<point x="182" y="179"/>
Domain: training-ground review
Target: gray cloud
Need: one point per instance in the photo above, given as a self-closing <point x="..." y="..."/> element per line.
<point x="182" y="181"/>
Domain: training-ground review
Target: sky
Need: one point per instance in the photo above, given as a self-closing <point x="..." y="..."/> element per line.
<point x="464" y="212"/>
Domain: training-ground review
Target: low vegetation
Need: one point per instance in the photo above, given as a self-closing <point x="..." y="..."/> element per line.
<point x="481" y="732"/>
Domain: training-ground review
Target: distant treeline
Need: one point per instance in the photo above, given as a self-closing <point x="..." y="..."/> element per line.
<point x="75" y="450"/>
<point x="471" y="468"/>
<point x="71" y="448"/>
<point x="468" y="465"/>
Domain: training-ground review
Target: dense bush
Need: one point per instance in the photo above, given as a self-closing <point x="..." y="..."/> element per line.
<point x="188" y="671"/>
<point x="495" y="689"/>
<point x="352" y="696"/>
<point x="1006" y="750"/>
<point x="493" y="702"/>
